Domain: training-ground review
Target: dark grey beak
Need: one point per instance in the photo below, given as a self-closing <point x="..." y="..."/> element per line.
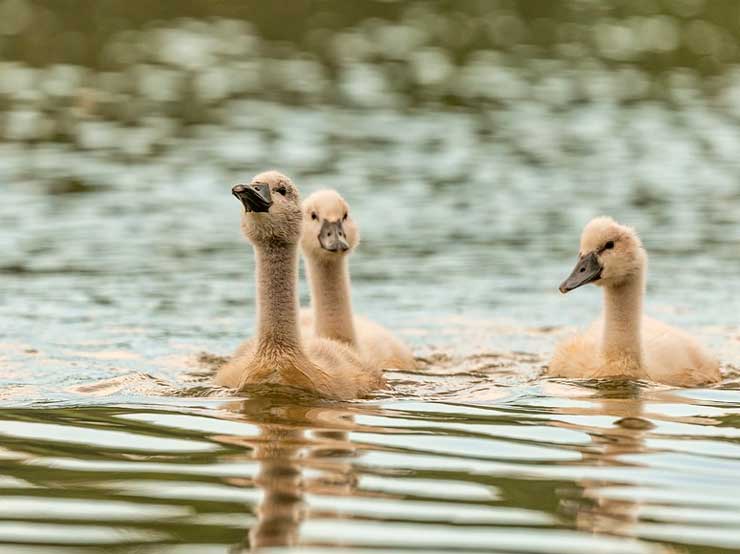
<point x="587" y="270"/>
<point x="254" y="198"/>
<point x="332" y="237"/>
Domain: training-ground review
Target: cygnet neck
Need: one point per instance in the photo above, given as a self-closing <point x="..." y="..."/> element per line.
<point x="330" y="297"/>
<point x="622" y="339"/>
<point x="277" y="299"/>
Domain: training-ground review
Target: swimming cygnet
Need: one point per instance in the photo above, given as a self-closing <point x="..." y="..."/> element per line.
<point x="329" y="236"/>
<point x="624" y="343"/>
<point x="272" y="222"/>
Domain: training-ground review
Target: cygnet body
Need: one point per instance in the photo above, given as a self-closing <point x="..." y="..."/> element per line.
<point x="624" y="343"/>
<point x="272" y="222"/>
<point x="329" y="237"/>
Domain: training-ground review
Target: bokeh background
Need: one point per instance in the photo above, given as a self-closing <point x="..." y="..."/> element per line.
<point x="473" y="140"/>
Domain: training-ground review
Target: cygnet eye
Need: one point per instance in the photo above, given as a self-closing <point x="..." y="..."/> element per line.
<point x="345" y="217"/>
<point x="314" y="216"/>
<point x="609" y="245"/>
<point x="281" y="190"/>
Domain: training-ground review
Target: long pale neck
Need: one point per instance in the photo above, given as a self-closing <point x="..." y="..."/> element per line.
<point x="277" y="299"/>
<point x="330" y="297"/>
<point x="622" y="340"/>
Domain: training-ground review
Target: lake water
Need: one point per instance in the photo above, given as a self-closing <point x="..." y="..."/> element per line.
<point x="473" y="142"/>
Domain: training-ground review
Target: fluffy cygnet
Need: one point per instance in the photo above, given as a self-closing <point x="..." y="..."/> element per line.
<point x="329" y="236"/>
<point x="272" y="222"/>
<point x="623" y="343"/>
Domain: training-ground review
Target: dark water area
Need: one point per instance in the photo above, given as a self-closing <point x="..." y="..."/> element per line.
<point x="473" y="141"/>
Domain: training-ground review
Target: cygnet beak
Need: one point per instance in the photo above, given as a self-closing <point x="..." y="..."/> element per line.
<point x="332" y="237"/>
<point x="254" y="198"/>
<point x="587" y="270"/>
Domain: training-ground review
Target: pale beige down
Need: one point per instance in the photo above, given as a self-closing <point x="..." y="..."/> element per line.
<point x="624" y="343"/>
<point x="272" y="222"/>
<point x="329" y="237"/>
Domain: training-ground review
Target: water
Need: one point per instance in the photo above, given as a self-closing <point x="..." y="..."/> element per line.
<point x="545" y="467"/>
<point x="473" y="142"/>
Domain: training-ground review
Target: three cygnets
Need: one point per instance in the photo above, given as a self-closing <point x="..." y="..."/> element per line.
<point x="330" y="351"/>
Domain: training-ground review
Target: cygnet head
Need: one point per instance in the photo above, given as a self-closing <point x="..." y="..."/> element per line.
<point x="272" y="209"/>
<point x="328" y="229"/>
<point x="610" y="255"/>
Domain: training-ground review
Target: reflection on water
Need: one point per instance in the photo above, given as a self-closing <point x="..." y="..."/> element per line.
<point x="560" y="469"/>
<point x="473" y="140"/>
